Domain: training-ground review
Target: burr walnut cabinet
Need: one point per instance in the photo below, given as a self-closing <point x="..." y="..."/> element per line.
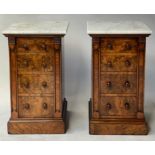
<point x="118" y="59"/>
<point x="38" y="105"/>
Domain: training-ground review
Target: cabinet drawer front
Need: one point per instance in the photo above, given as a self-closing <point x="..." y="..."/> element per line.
<point x="119" y="62"/>
<point x="36" y="107"/>
<point x="118" y="106"/>
<point x="35" y="45"/>
<point x="124" y="45"/>
<point x="118" y="83"/>
<point x="32" y="84"/>
<point x="35" y="62"/>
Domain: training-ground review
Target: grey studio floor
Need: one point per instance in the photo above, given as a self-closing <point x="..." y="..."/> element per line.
<point x="77" y="69"/>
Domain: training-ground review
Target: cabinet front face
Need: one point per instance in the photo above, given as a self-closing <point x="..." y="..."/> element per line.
<point x="35" y="74"/>
<point x="116" y="78"/>
<point x="35" y="77"/>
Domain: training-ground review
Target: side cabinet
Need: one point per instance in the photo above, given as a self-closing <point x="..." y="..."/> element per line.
<point x="37" y="103"/>
<point x="118" y="65"/>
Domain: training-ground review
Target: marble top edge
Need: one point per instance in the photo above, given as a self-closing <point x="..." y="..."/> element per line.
<point x="47" y="28"/>
<point x="121" y="27"/>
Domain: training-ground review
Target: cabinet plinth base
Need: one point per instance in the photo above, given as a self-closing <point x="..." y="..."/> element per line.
<point x="117" y="128"/>
<point x="48" y="126"/>
<point x="109" y="126"/>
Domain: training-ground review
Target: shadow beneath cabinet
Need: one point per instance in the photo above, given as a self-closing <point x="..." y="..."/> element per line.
<point x="67" y="121"/>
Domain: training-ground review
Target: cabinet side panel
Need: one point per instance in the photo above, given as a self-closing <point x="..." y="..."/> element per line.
<point x="13" y="77"/>
<point x="141" y="76"/>
<point x="95" y="77"/>
<point x="58" y="98"/>
<point x="62" y="57"/>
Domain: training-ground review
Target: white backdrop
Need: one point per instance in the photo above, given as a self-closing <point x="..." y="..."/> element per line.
<point x="77" y="68"/>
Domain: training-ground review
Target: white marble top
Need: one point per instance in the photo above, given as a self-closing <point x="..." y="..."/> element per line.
<point x="48" y="27"/>
<point x="122" y="27"/>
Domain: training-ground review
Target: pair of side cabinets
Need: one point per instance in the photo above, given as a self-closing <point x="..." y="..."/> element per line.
<point x="38" y="105"/>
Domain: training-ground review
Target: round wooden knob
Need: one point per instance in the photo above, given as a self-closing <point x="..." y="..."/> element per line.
<point x="44" y="65"/>
<point x="44" y="47"/>
<point x="25" y="46"/>
<point x="127" y="84"/>
<point x="109" y="64"/>
<point x="44" y="62"/>
<point x="44" y="84"/>
<point x="108" y="106"/>
<point x="45" y="105"/>
<point x="110" y="46"/>
<point x="27" y="106"/>
<point x="127" y="63"/>
<point x="109" y="84"/>
<point x="128" y="47"/>
<point x="127" y="106"/>
<point x="25" y="63"/>
<point x="26" y="84"/>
